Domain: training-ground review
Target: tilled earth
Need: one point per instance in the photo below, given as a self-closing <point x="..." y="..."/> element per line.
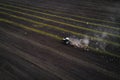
<point x="30" y="40"/>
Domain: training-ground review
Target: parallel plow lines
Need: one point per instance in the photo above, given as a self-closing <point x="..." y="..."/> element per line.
<point x="49" y="34"/>
<point x="54" y="27"/>
<point x="81" y="8"/>
<point x="61" y="17"/>
<point x="76" y="60"/>
<point x="31" y="29"/>
<point x="28" y="6"/>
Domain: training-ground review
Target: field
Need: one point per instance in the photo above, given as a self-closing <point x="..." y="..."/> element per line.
<point x="31" y="32"/>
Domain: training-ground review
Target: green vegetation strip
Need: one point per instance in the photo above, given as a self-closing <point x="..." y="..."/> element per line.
<point x="63" y="23"/>
<point x="56" y="12"/>
<point x="50" y="35"/>
<point x="61" y="29"/>
<point x="31" y="29"/>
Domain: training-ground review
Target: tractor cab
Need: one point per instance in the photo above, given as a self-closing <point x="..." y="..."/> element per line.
<point x="66" y="40"/>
